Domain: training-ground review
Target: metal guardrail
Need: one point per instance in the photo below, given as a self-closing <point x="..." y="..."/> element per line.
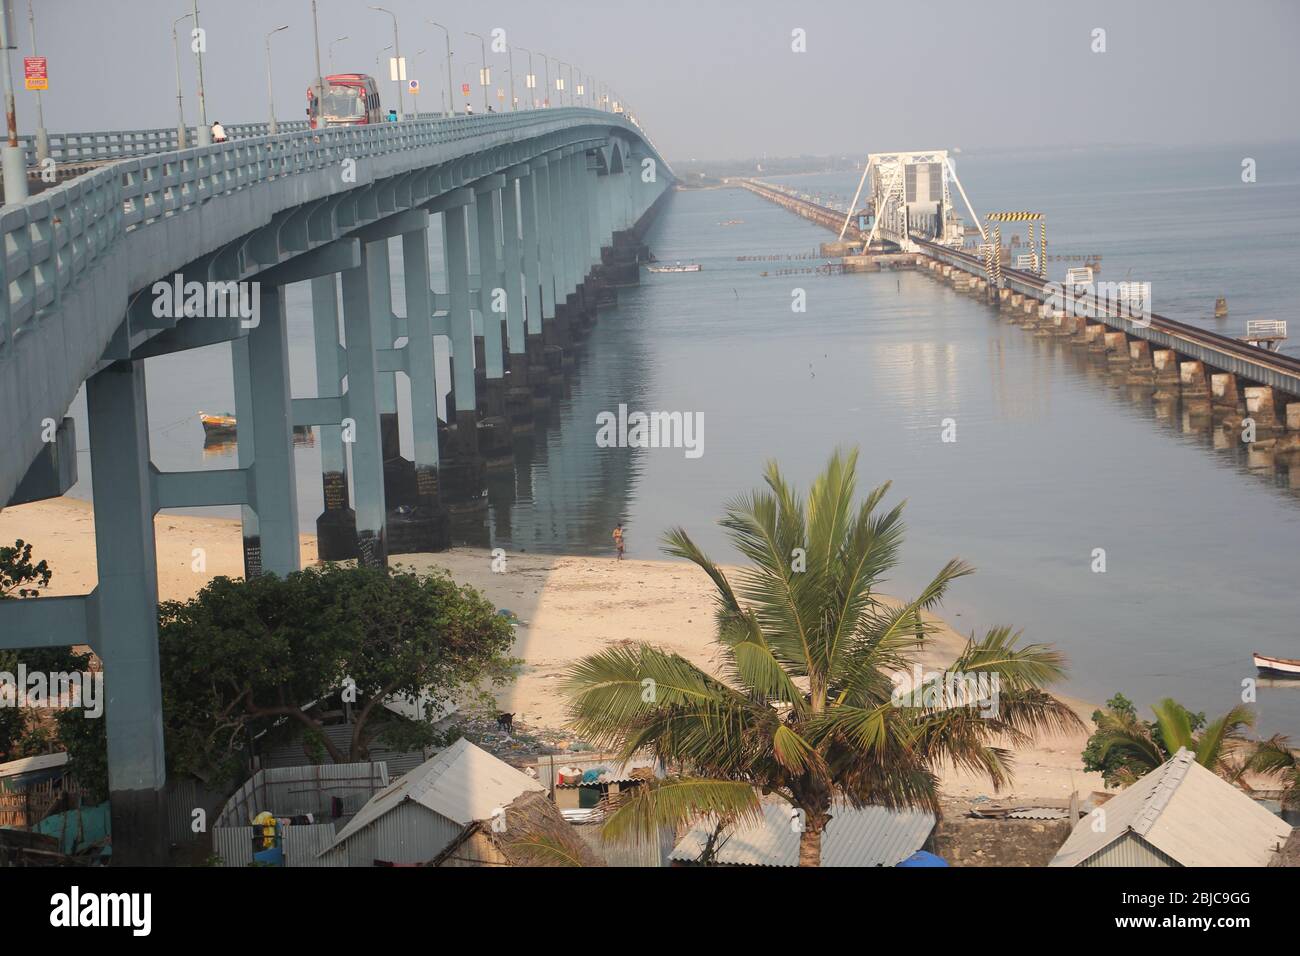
<point x="54" y="237"/>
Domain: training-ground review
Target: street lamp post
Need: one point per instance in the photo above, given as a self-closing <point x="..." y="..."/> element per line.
<point x="415" y="97"/>
<point x="330" y="50"/>
<point x="530" y="80"/>
<point x="42" y="137"/>
<point x="484" y="76"/>
<point x="510" y="54"/>
<point x="204" y="131"/>
<point x="181" y="131"/>
<point x="450" y="108"/>
<point x="12" y="163"/>
<point x="270" y="89"/>
<point x="397" y="55"/>
<point x="546" y="66"/>
<point x="313" y="121"/>
<point x="559" y="79"/>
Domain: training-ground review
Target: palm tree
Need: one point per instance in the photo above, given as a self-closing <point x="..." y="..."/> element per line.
<point x="804" y="706"/>
<point x="1274" y="757"/>
<point x="1145" y="746"/>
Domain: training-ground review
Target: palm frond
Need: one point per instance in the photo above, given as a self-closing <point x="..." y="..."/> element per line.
<point x="679" y="801"/>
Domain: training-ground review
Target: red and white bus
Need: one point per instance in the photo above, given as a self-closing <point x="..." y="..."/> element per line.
<point x="351" y="99"/>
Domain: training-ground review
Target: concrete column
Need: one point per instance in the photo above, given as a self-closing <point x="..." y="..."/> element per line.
<point x="428" y="528"/>
<point x="273" y="487"/>
<point x="362" y="287"/>
<point x="1191" y="375"/>
<point x="1259" y="406"/>
<point x="1095" y="335"/>
<point x="124" y="611"/>
<point x="1116" y="345"/>
<point x="399" y="474"/>
<point x="1223" y="390"/>
<point x="245" y="449"/>
<point x="1166" y="363"/>
<point x="1141" y="371"/>
<point x="336" y="527"/>
<point x="519" y="400"/>
<point x="492" y="399"/>
<point x="543" y="226"/>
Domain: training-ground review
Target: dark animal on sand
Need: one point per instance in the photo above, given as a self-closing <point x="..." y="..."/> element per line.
<point x="506" y="722"/>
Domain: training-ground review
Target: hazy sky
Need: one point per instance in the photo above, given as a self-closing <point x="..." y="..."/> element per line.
<point x="718" y="78"/>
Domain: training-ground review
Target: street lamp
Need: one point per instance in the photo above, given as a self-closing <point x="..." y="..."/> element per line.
<point x="13" y="162"/>
<point x="42" y="137"/>
<point x="484" y="77"/>
<point x="270" y="90"/>
<point x="510" y="54"/>
<point x="204" y="131"/>
<point x="546" y="65"/>
<point x="313" y="121"/>
<point x="530" y="80"/>
<point x="181" y="131"/>
<point x="415" y="97"/>
<point x="450" y="108"/>
<point x="397" y="55"/>
<point x="559" y="79"/>
<point x="331" y="50"/>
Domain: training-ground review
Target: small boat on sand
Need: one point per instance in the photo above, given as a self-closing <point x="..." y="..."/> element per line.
<point x="1287" y="666"/>
<point x="677" y="267"/>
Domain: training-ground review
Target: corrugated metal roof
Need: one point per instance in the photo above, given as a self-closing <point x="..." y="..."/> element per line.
<point x="1186" y="812"/>
<point x="32" y="764"/>
<point x="870" y="836"/>
<point x="463" y="783"/>
<point x="620" y="771"/>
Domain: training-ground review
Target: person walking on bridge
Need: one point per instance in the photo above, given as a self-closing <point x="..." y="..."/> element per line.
<point x="218" y="132"/>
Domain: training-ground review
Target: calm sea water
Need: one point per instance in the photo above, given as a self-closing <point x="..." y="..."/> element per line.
<point x="1052" y="458"/>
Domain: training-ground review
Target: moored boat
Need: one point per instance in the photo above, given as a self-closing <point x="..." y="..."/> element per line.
<point x="217" y="424"/>
<point x="1288" y="666"/>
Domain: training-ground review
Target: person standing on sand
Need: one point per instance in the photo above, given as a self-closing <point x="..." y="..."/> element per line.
<point x="618" y="539"/>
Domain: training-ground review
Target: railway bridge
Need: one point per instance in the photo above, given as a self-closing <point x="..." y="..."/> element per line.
<point x="155" y="250"/>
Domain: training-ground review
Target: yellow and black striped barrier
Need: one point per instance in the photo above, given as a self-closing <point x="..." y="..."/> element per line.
<point x="1012" y="216"/>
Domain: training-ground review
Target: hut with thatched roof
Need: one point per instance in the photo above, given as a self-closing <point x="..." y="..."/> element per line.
<point x="531" y="832"/>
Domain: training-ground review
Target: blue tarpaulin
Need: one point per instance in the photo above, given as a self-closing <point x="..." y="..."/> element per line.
<point x="77" y="829"/>
<point x="922" y="858"/>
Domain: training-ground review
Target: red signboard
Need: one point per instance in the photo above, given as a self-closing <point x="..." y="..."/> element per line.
<point x="36" y="73"/>
<point x="464" y="88"/>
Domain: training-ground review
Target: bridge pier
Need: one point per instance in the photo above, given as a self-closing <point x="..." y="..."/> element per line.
<point x="273" y="488"/>
<point x="540" y="299"/>
<point x="1223" y="391"/>
<point x="519" y="402"/>
<point x="493" y="427"/>
<point x="1141" y="371"/>
<point x="362" y="288"/>
<point x="122" y="613"/>
<point x="1191" y="376"/>
<point x="461" y="467"/>
<point x="336" y="526"/>
<point x="1116" y="348"/>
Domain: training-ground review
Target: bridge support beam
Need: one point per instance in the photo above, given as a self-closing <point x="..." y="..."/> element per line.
<point x="519" y="399"/>
<point x="1223" y="390"/>
<point x="1166" y="363"/>
<point x="124" y="611"/>
<point x="1116" y="344"/>
<point x="1191" y="376"/>
<point x="275" y="491"/>
<point x="1141" y="371"/>
<point x="493" y="428"/>
<point x="336" y="527"/>
<point x="428" y="528"/>
<point x="361" y="288"/>
<point x="461" y="468"/>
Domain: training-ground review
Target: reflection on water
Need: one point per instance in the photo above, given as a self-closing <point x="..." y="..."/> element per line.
<point x="223" y="443"/>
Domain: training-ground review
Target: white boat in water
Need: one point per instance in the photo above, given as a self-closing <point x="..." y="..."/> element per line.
<point x="1278" y="665"/>
<point x="677" y="267"/>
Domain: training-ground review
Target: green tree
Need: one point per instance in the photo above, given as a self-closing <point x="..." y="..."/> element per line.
<point x="803" y="708"/>
<point x="1124" y="747"/>
<point x="246" y="656"/>
<point x="20" y="577"/>
<point x="1275" y="757"/>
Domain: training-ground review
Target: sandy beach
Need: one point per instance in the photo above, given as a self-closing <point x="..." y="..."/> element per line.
<point x="569" y="606"/>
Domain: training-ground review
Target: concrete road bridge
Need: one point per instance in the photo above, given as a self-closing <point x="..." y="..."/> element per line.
<point x="155" y="251"/>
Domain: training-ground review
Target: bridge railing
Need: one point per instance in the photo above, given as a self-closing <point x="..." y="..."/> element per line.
<point x="53" y="237"/>
<point x="121" y="144"/>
